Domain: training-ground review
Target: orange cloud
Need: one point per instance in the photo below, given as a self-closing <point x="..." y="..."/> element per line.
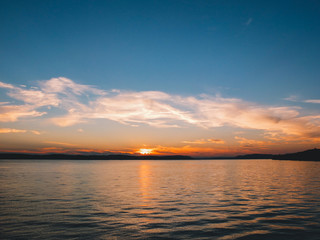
<point x="11" y="130"/>
<point x="252" y="142"/>
<point x="61" y="143"/>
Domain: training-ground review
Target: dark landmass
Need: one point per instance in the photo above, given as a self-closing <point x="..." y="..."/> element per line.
<point x="255" y="156"/>
<point x="247" y="156"/>
<point x="308" y="155"/>
<point x="90" y="157"/>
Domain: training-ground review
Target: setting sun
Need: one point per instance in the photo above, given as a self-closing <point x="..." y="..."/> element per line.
<point x="145" y="151"/>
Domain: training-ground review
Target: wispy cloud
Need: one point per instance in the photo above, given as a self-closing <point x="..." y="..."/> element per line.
<point x="60" y="92"/>
<point x="217" y="141"/>
<point x="294" y="98"/>
<point x="205" y="141"/>
<point x="66" y="86"/>
<point x="60" y="143"/>
<point x="313" y="101"/>
<point x="245" y="142"/>
<point x="6" y="85"/>
<point x="35" y="132"/>
<point x="82" y="103"/>
<point x="13" y="130"/>
<point x="248" y="22"/>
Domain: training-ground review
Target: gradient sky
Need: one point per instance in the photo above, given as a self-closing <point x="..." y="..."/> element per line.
<point x="205" y="78"/>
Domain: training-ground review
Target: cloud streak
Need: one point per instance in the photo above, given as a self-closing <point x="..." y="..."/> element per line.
<point x="313" y="101"/>
<point x="248" y="22"/>
<point x="13" y="130"/>
<point x="294" y="98"/>
<point x="79" y="103"/>
<point x="205" y="141"/>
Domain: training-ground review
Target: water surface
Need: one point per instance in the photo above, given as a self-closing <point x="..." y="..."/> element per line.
<point x="189" y="199"/>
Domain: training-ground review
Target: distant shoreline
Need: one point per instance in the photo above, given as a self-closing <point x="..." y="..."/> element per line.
<point x="308" y="155"/>
<point x="26" y="156"/>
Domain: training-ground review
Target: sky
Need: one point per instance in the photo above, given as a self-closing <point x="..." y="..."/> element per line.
<point x="199" y="78"/>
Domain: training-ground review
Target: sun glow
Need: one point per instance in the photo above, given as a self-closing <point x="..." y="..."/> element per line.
<point x="145" y="151"/>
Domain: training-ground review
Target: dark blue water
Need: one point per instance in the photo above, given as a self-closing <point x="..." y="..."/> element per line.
<point x="209" y="199"/>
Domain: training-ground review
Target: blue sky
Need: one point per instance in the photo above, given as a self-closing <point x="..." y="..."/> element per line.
<point x="245" y="48"/>
<point x="263" y="52"/>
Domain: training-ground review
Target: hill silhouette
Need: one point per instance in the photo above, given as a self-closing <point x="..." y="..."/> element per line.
<point x="308" y="155"/>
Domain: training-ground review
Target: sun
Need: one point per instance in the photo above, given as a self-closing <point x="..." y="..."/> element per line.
<point x="145" y="151"/>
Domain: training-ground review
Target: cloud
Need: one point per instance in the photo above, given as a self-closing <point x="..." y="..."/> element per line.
<point x="12" y="130"/>
<point x="35" y="97"/>
<point x="60" y="143"/>
<point x="66" y="86"/>
<point x="60" y="92"/>
<point x="294" y="98"/>
<point x="205" y="141"/>
<point x="218" y="141"/>
<point x="77" y="103"/>
<point x="35" y="132"/>
<point x="313" y="101"/>
<point x="68" y="120"/>
<point x="248" y="22"/>
<point x="6" y="85"/>
<point x="252" y="142"/>
<point x="11" y="113"/>
<point x="150" y="107"/>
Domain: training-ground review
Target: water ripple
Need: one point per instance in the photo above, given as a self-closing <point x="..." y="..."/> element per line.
<point x="159" y="200"/>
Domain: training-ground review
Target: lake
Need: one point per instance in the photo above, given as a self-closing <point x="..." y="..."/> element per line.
<point x="173" y="199"/>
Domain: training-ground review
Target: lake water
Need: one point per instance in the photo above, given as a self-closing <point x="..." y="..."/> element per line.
<point x="189" y="199"/>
